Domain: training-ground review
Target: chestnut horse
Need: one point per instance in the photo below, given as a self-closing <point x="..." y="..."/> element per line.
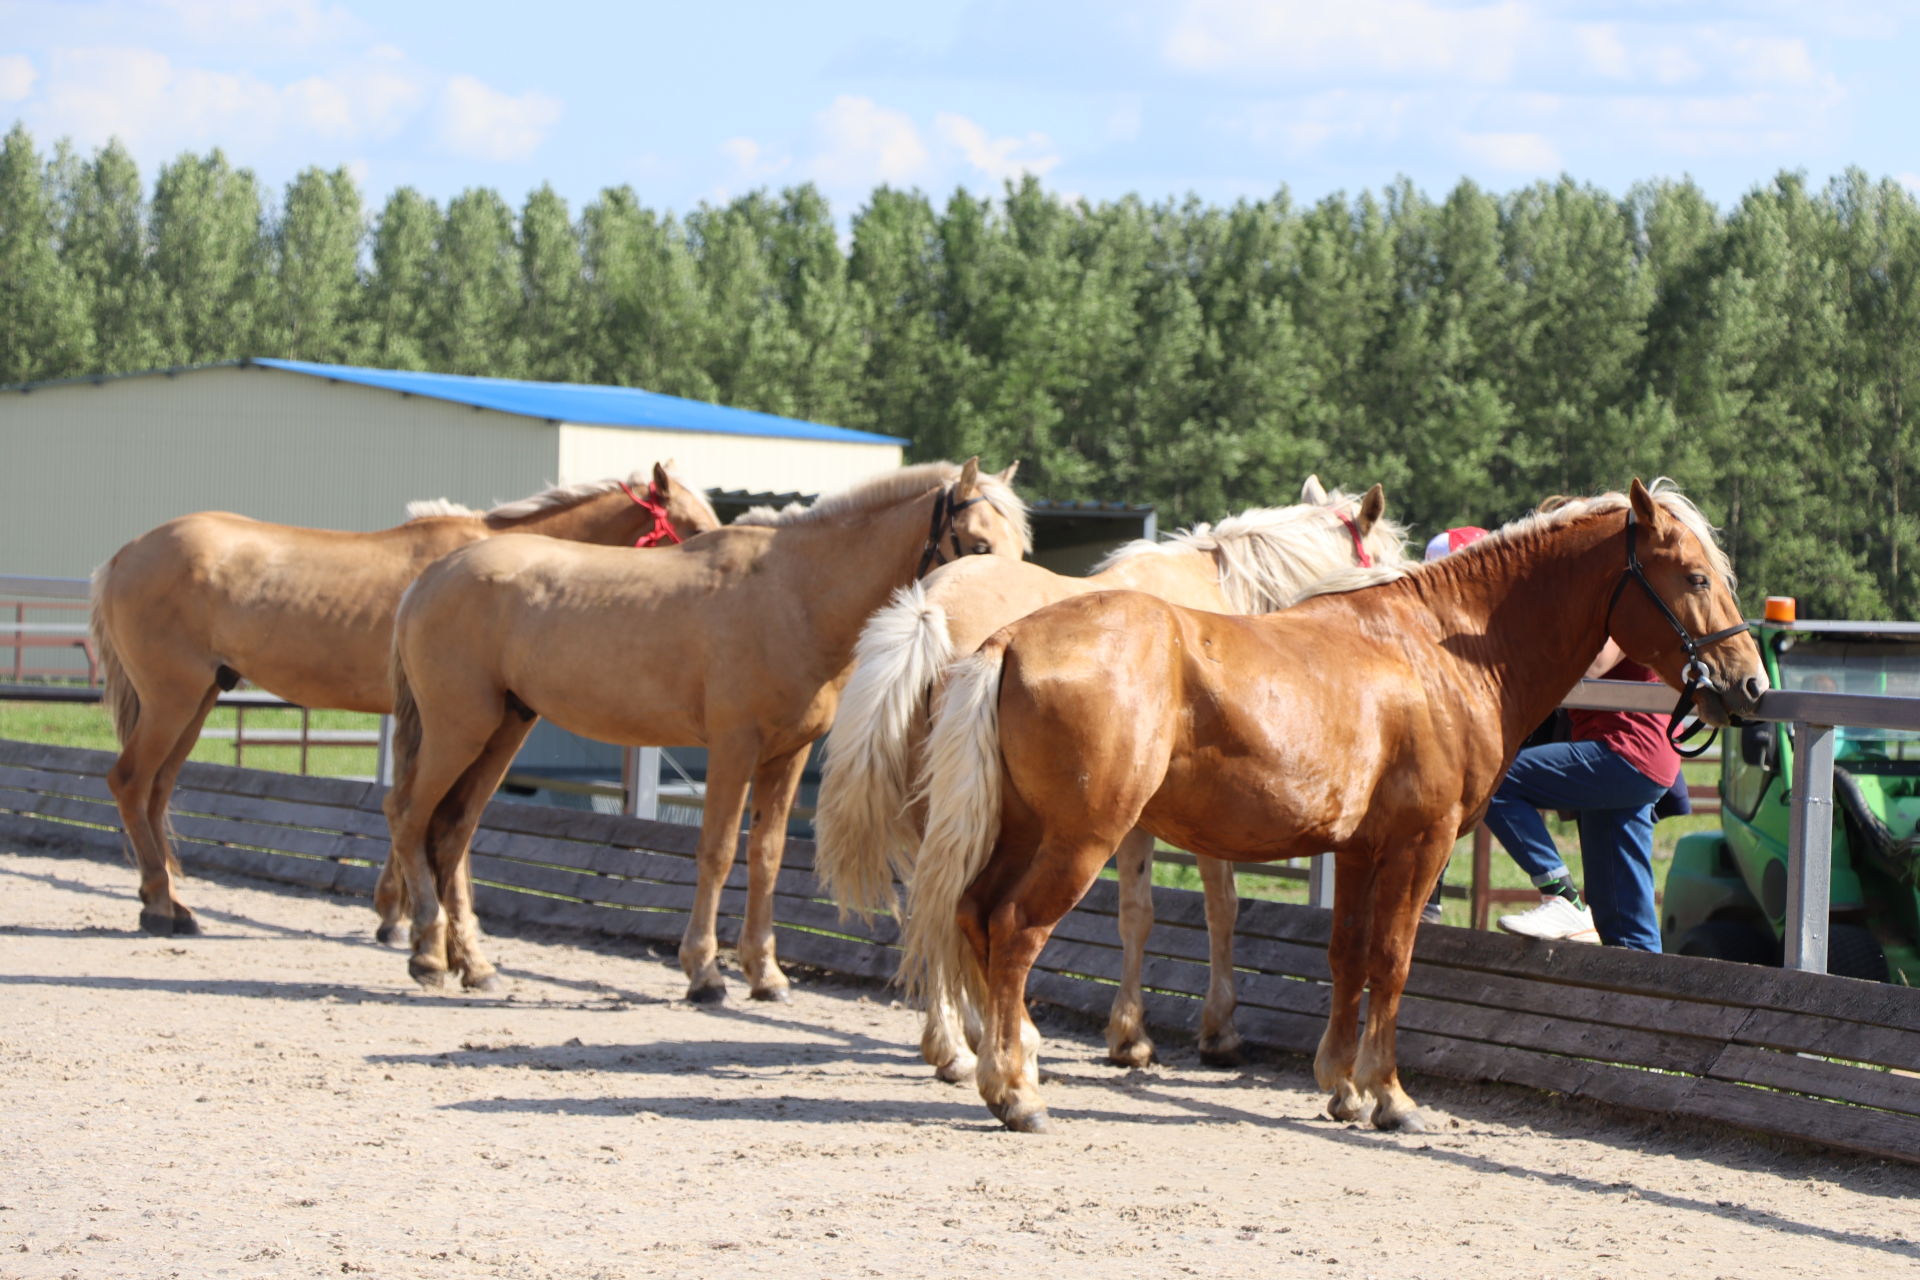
<point x="1374" y="724"/>
<point x="866" y="831"/>
<point x="738" y="641"/>
<point x="203" y="601"/>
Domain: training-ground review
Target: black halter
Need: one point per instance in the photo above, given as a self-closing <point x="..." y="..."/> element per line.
<point x="1695" y="673"/>
<point x="945" y="508"/>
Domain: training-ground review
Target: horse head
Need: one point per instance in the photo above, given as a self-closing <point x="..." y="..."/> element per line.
<point x="687" y="509"/>
<point x="1674" y="612"/>
<point x="981" y="516"/>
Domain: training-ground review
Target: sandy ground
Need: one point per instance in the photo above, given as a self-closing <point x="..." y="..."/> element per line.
<point x="277" y="1099"/>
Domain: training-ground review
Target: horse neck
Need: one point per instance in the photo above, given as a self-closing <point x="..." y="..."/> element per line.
<point x="1533" y="617"/>
<point x="611" y="518"/>
<point x="846" y="567"/>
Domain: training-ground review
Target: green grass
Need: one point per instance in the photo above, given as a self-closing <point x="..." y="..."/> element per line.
<point x="68" y="724"/>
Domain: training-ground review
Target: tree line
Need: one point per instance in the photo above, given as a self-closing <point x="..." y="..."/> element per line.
<point x="1473" y="353"/>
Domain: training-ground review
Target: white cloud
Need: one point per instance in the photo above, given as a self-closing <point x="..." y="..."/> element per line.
<point x="864" y="144"/>
<point x="998" y="158"/>
<point x="479" y="120"/>
<point x="1529" y="153"/>
<point x="372" y="97"/>
<point x="1291" y="39"/>
<point x="297" y="24"/>
<point x="139" y="95"/>
<point x="1606" y="53"/>
<point x="1300" y="126"/>
<point x="17" y="75"/>
<point x="751" y="159"/>
<point x="1770" y="61"/>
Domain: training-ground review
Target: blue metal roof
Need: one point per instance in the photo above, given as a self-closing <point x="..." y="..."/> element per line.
<point x="572" y="402"/>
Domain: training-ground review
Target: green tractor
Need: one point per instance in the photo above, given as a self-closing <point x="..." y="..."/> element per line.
<point x="1726" y="894"/>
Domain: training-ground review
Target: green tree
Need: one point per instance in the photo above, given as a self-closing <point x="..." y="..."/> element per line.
<point x="107" y="247"/>
<point x="552" y="308"/>
<point x="644" y="315"/>
<point x="473" y="301"/>
<point x="317" y="283"/>
<point x="395" y="309"/>
<point x="43" y="321"/>
<point x="210" y="254"/>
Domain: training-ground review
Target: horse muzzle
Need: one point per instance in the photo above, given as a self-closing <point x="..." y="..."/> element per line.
<point x="1722" y="703"/>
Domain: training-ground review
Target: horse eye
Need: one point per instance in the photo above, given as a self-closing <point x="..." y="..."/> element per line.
<point x="1698" y="581"/>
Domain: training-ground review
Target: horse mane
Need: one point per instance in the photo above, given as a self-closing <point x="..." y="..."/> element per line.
<point x="891" y="487"/>
<point x="421" y="508"/>
<point x="1663" y="491"/>
<point x="1264" y="552"/>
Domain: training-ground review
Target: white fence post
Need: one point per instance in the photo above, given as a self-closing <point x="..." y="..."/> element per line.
<point x="640" y="776"/>
<point x="1320" y="881"/>
<point x="1810" y="848"/>
<point x="383" y="761"/>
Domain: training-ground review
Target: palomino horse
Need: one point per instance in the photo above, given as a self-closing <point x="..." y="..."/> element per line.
<point x="191" y="607"/>
<point x="1371" y="723"/>
<point x="867" y="831"/>
<point x="738" y="641"/>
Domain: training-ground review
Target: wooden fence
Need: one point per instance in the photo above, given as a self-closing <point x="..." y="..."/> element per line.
<point x="1800" y="1055"/>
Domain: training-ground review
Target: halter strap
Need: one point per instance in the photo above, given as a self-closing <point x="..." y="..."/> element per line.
<point x="945" y="508"/>
<point x="1353" y="529"/>
<point x="1695" y="673"/>
<point x="655" y="503"/>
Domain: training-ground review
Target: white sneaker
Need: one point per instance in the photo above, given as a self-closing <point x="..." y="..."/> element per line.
<point x="1555" y="919"/>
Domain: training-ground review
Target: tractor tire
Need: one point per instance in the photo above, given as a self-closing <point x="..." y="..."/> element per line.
<point x="1735" y="940"/>
<point x="1852" y="952"/>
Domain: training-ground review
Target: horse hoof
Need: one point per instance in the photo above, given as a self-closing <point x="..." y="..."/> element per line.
<point x="708" y="993"/>
<point x="1229" y="1057"/>
<point x="1024" y="1119"/>
<point x="485" y="982"/>
<point x="1136" y="1053"/>
<point x="387" y="935"/>
<point x="430" y="976"/>
<point x="185" y="924"/>
<point x="955" y="1072"/>
<point x="778" y="995"/>
<point x="1409" y="1122"/>
<point x="160" y="922"/>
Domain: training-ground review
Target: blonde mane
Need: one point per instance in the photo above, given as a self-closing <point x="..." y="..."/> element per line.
<point x="1662" y="490"/>
<point x="1267" y="554"/>
<point x="421" y="508"/>
<point x="891" y="487"/>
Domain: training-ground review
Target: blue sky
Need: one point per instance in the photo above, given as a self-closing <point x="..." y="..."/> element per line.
<point x="692" y="102"/>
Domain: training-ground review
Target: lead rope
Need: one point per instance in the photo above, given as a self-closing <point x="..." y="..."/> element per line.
<point x="655" y="503"/>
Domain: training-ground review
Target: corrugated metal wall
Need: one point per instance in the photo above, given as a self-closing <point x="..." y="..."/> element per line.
<point x="84" y="468"/>
<point x="725" y="462"/>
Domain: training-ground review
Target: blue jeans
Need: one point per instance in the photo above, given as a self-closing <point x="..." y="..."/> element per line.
<point x="1614" y="802"/>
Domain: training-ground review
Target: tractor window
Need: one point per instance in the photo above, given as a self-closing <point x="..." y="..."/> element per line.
<point x="1876" y="667"/>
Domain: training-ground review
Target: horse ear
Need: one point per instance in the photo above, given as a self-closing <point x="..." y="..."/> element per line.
<point x="969" y="475"/>
<point x="1643" y="504"/>
<point x="660" y="479"/>
<point x="1313" y="493"/>
<point x="1372" y="507"/>
<point x="1006" y="477"/>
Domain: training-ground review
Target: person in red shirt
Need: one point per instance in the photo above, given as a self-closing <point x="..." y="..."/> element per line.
<point x="1617" y="766"/>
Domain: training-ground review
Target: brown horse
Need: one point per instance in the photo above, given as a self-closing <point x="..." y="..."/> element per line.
<point x="193" y="606"/>
<point x="738" y="641"/>
<point x="1374" y="724"/>
<point x="867" y="830"/>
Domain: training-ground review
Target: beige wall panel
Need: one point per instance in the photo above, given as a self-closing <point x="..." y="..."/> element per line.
<point x="84" y="468"/>
<point x="722" y="462"/>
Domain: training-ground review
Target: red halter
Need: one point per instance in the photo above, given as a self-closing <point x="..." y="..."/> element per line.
<point x="1359" y="547"/>
<point x="654" y="503"/>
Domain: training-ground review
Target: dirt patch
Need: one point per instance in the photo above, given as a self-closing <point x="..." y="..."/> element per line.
<point x="277" y="1099"/>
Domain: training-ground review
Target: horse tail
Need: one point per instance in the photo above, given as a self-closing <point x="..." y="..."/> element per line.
<point x="406" y="721"/>
<point x="960" y="784"/>
<point x="864" y="830"/>
<point x="122" y="699"/>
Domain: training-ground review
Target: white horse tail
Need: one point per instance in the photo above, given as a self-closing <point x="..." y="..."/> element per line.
<point x="864" y="831"/>
<point x="961" y="786"/>
<point x="122" y="699"/>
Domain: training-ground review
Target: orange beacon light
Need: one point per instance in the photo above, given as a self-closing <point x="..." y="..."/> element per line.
<point x="1780" y="609"/>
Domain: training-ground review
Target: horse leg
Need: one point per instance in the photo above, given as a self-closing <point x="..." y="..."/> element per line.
<point x="774" y="784"/>
<point x="1401" y="888"/>
<point x="1128" y="1044"/>
<point x="161" y="740"/>
<point x="1333" y="1064"/>
<point x="442" y="757"/>
<point x="449" y="841"/>
<point x="728" y="768"/>
<point x="946" y="1039"/>
<point x="1219" y="1038"/>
